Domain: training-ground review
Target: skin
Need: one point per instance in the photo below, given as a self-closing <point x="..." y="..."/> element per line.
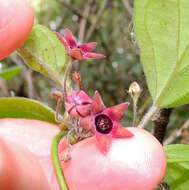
<point x="15" y="24"/>
<point x="134" y="163"/>
<point x="25" y="155"/>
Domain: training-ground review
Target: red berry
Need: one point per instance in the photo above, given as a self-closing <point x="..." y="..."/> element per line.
<point x="136" y="163"/>
<point x="16" y="21"/>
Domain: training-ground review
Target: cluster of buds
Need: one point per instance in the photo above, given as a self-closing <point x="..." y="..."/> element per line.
<point x="92" y="114"/>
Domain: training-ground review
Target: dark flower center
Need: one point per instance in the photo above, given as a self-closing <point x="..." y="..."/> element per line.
<point x="103" y="124"/>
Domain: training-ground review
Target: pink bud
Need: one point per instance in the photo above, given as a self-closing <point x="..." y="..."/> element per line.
<point x="78" y="104"/>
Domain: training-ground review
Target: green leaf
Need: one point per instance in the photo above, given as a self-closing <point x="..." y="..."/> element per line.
<point x="10" y="72"/>
<point x="44" y="53"/>
<point x="177" y="174"/>
<point x="162" y="32"/>
<point x="25" y="108"/>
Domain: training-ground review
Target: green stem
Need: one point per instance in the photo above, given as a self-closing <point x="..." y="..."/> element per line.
<point x="147" y="117"/>
<point x="134" y="111"/>
<point x="56" y="161"/>
<point x="67" y="72"/>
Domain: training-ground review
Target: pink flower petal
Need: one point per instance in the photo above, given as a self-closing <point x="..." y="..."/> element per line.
<point x="84" y="97"/>
<point x="93" y="56"/>
<point x="70" y="98"/>
<point x="87" y="123"/>
<point x="88" y="47"/>
<point x="83" y="110"/>
<point x="70" y="39"/>
<point x="97" y="105"/>
<point x="61" y="38"/>
<point x="121" y="132"/>
<point x="103" y="142"/>
<point x="78" y="104"/>
<point x="76" y="54"/>
<point x="116" y="112"/>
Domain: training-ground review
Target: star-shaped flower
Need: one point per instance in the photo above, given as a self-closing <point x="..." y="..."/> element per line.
<point x="104" y="122"/>
<point x="78" y="104"/>
<point x="76" y="51"/>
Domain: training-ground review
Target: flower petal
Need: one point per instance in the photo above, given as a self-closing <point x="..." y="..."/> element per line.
<point x="61" y="38"/>
<point x="76" y="54"/>
<point x="121" y="132"/>
<point x="93" y="56"/>
<point x="97" y="105"/>
<point x="103" y="142"/>
<point x="88" y="47"/>
<point x="87" y="123"/>
<point x="116" y="112"/>
<point x="83" y="98"/>
<point x="70" y="39"/>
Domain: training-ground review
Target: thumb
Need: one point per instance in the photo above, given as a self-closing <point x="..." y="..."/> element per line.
<point x="25" y="155"/>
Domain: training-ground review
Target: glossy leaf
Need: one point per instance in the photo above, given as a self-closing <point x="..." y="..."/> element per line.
<point x="44" y="53"/>
<point x="11" y="72"/>
<point x="177" y="174"/>
<point x="162" y="32"/>
<point x="25" y="108"/>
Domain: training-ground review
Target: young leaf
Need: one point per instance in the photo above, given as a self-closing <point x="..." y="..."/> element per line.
<point x="25" y="108"/>
<point x="11" y="72"/>
<point x="177" y="174"/>
<point x="162" y="32"/>
<point x="44" y="53"/>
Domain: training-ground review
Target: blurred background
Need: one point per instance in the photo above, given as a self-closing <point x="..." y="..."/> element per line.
<point x="110" y="24"/>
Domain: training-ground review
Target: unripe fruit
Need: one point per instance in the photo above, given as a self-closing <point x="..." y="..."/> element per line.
<point x="16" y="21"/>
<point x="136" y="163"/>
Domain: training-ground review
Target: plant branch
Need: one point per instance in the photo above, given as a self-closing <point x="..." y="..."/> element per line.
<point x="177" y="133"/>
<point x="29" y="80"/>
<point x="161" y="120"/>
<point x="128" y="7"/>
<point x="72" y="8"/>
<point x="147" y="117"/>
<point x="94" y="24"/>
<point x="83" y="22"/>
<point x="56" y="160"/>
<point x="3" y="87"/>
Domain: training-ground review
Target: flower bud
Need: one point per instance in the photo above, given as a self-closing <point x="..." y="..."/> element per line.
<point x="134" y="90"/>
<point x="78" y="104"/>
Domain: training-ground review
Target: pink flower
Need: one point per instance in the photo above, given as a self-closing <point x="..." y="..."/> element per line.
<point x="104" y="122"/>
<point x="78" y="104"/>
<point x="76" y="51"/>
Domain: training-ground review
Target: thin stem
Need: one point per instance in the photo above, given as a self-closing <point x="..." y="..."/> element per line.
<point x="80" y="85"/>
<point x="56" y="161"/>
<point x="134" y="112"/>
<point x="177" y="133"/>
<point x="153" y="109"/>
<point x="128" y="7"/>
<point x="58" y="107"/>
<point x="95" y="23"/>
<point x="83" y="23"/>
<point x="68" y="69"/>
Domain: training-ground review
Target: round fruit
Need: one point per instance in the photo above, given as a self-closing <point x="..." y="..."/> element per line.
<point x="25" y="155"/>
<point x="135" y="163"/>
<point x="15" y="24"/>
